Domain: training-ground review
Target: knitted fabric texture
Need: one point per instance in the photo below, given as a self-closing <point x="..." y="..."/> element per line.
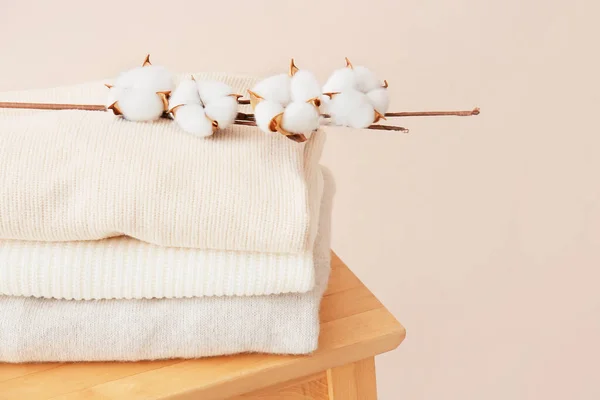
<point x="82" y="175"/>
<point x="126" y="268"/>
<point x="129" y="330"/>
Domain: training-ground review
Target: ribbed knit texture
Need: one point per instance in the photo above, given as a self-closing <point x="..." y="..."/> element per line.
<point x="126" y="268"/>
<point x="81" y="175"/>
<point x="129" y="330"/>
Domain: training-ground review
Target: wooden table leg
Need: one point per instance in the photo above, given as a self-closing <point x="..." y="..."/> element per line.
<point x="354" y="381"/>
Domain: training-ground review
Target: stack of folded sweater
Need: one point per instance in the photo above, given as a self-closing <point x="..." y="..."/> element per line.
<point x="133" y="241"/>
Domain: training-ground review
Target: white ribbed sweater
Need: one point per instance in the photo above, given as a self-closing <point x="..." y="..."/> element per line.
<point x="77" y="175"/>
<point x="126" y="268"/>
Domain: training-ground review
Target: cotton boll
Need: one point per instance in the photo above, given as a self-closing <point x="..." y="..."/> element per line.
<point x="304" y="86"/>
<point x="300" y="117"/>
<point x="153" y="77"/>
<point x="212" y="90"/>
<point x="185" y="93"/>
<point x="140" y="105"/>
<point x="264" y="113"/>
<point x="366" y="80"/>
<point x="352" y="108"/>
<point x="341" y="80"/>
<point x="222" y="110"/>
<point x="192" y="119"/>
<point x="379" y="99"/>
<point x="275" y="88"/>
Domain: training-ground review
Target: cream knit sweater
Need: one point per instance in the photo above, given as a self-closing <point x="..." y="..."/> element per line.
<point x="128" y="330"/>
<point x="126" y="268"/>
<point x="77" y="175"/>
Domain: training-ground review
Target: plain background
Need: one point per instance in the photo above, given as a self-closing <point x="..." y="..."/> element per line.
<point x="480" y="234"/>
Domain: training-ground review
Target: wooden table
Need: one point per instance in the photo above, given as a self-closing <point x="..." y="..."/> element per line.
<point x="355" y="328"/>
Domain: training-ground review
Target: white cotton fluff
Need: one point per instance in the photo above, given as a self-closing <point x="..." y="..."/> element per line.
<point x="113" y="95"/>
<point x="275" y="88"/>
<point x="325" y="104"/>
<point x="300" y="117"/>
<point x="366" y="80"/>
<point x="340" y="80"/>
<point x="379" y="99"/>
<point x="185" y="93"/>
<point x="212" y="90"/>
<point x="223" y="110"/>
<point x="352" y="108"/>
<point x="153" y="77"/>
<point x="264" y="113"/>
<point x="192" y="119"/>
<point x="304" y="86"/>
<point x="140" y="104"/>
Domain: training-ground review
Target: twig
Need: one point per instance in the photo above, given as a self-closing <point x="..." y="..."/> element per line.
<point x="241" y="118"/>
<point x="245" y="117"/>
<point x="474" y="111"/>
<point x="388" y="128"/>
<point x="81" y="107"/>
<point x="246" y="123"/>
<point x="52" y="106"/>
<point x="373" y="127"/>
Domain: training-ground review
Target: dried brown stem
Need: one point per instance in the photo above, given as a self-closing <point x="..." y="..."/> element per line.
<point x="82" y="107"/>
<point x="388" y="128"/>
<point x="474" y="111"/>
<point x="245" y="117"/>
<point x="246" y="123"/>
<point x="48" y="106"/>
<point x="373" y="127"/>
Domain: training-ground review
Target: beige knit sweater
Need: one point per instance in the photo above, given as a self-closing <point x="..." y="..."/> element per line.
<point x="80" y="175"/>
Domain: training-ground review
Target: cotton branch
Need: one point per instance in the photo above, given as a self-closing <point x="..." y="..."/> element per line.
<point x="241" y="118"/>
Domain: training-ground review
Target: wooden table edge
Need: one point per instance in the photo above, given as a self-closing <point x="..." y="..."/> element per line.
<point x="253" y="382"/>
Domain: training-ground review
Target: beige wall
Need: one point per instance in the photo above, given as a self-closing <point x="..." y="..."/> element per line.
<point x="482" y="235"/>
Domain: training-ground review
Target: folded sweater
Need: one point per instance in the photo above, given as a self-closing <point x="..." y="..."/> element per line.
<point x="82" y="175"/>
<point x="43" y="330"/>
<point x="126" y="268"/>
